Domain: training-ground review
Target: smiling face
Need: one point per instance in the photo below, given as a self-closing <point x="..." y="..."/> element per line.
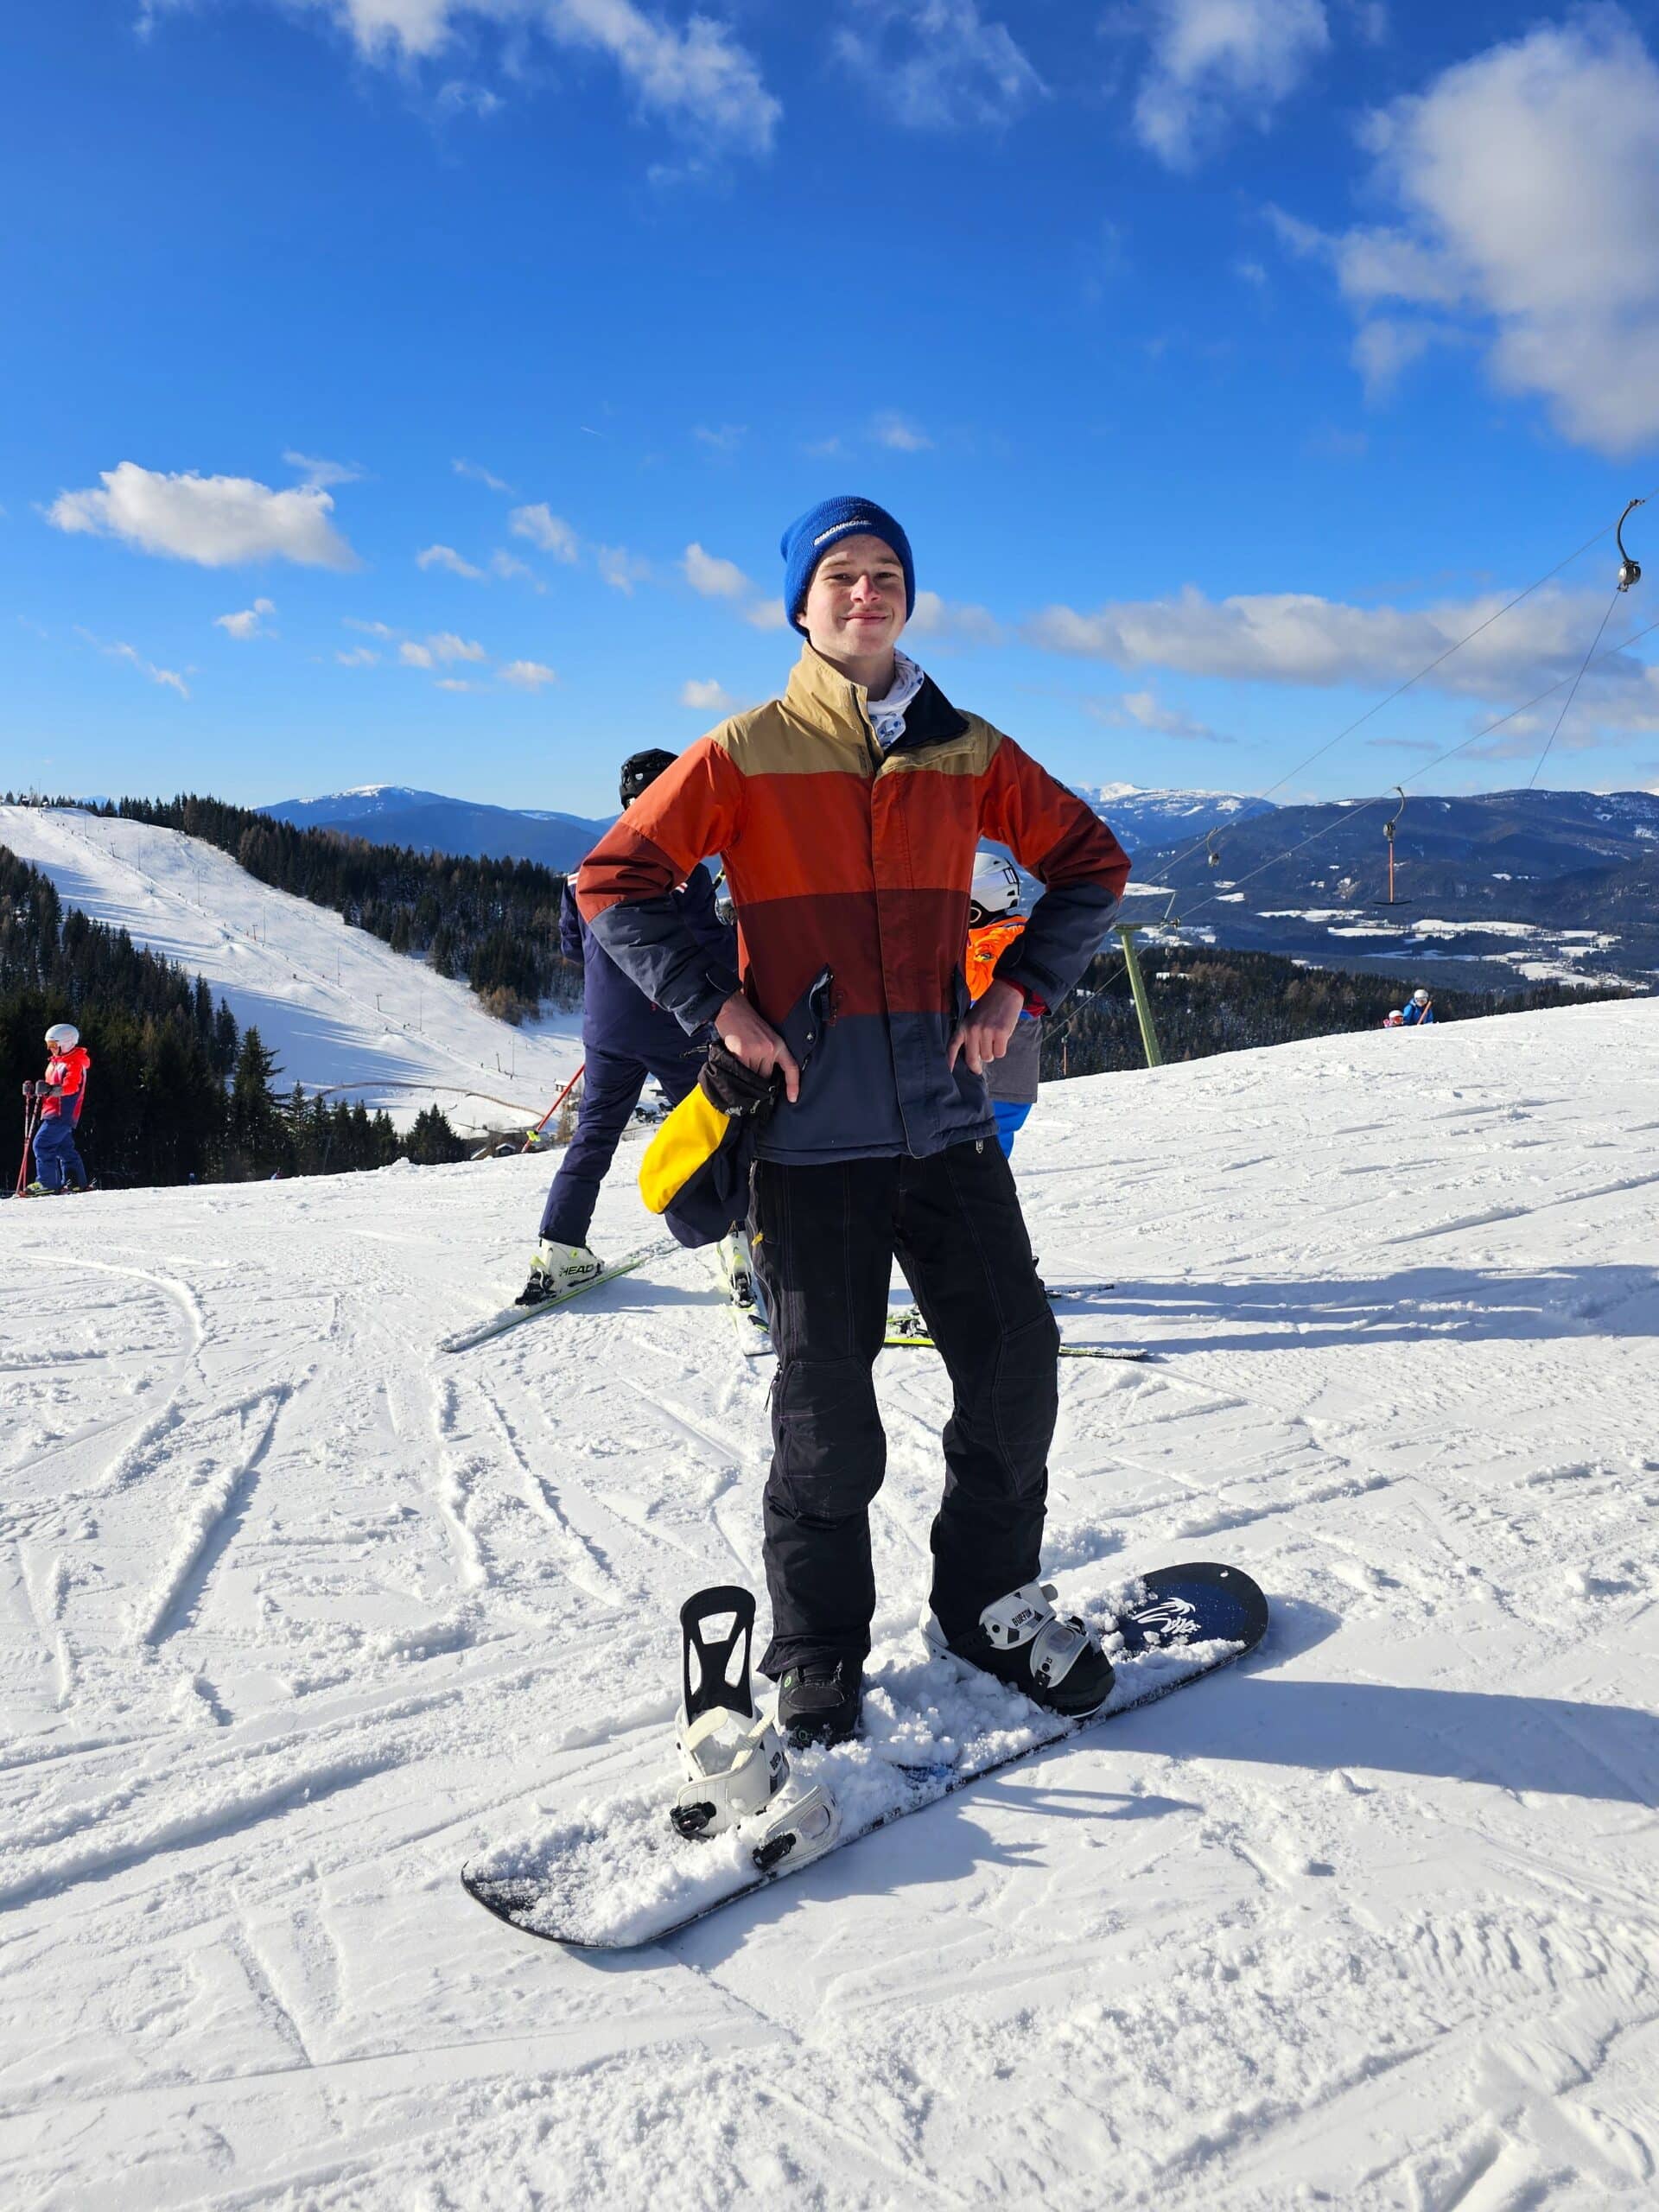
<point x="855" y="605"/>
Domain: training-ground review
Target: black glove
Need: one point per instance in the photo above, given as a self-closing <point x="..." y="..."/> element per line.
<point x="31" y="1089"/>
<point x="738" y="1090"/>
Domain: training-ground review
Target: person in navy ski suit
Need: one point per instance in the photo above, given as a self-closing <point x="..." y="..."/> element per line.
<point x="627" y="1039"/>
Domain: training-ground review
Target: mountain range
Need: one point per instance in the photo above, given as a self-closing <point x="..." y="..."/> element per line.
<point x="392" y="814"/>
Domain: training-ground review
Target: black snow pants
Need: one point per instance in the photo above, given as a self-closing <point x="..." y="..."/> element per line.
<point x="825" y="1239"/>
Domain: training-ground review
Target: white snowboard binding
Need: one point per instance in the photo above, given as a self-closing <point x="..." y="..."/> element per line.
<point x="1025" y="1642"/>
<point x="732" y="1756"/>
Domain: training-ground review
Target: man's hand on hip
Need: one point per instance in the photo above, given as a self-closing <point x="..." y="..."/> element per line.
<point x="754" y="1040"/>
<point x="984" y="1035"/>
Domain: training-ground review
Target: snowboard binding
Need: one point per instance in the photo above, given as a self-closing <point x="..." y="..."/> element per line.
<point x="733" y="1761"/>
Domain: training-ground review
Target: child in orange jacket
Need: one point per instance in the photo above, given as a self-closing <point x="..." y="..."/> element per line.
<point x="993" y="922"/>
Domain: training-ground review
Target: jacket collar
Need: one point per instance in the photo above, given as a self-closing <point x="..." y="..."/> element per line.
<point x="821" y="695"/>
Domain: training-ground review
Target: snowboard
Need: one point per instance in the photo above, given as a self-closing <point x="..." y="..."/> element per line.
<point x="514" y="1317"/>
<point x="617" y="1876"/>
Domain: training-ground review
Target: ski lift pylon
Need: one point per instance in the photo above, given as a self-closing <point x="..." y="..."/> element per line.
<point x="1388" y="829"/>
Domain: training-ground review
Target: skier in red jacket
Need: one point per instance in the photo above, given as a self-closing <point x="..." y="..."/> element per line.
<point x="62" y="1094"/>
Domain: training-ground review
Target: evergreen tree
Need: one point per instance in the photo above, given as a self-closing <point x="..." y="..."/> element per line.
<point x="258" y="1137"/>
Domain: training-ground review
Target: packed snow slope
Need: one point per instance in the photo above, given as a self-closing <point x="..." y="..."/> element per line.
<point x="298" y="1615"/>
<point x="340" y="1009"/>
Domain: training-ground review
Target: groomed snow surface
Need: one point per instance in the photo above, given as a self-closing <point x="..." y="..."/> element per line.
<point x="298" y="1616"/>
<point x="341" y="1010"/>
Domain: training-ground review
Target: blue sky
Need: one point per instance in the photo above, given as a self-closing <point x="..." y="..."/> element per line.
<point x="415" y="389"/>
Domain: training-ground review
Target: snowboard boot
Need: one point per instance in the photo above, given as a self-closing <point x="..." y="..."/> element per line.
<point x="818" y="1701"/>
<point x="557" y="1269"/>
<point x="1049" y="1657"/>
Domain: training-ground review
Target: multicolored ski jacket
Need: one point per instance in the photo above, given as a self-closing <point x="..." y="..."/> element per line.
<point x="69" y="1072"/>
<point x="849" y="870"/>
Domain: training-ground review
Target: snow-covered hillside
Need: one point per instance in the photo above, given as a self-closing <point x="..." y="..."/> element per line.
<point x="297" y="1614"/>
<point x="339" y="1008"/>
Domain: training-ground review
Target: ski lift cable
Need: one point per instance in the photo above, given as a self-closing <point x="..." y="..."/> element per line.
<point x="1365" y="806"/>
<point x="1627" y="568"/>
<point x="1566" y="703"/>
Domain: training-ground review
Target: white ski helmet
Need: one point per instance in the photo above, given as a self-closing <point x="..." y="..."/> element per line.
<point x="63" y="1036"/>
<point x="996" y="884"/>
<point x="1420" y="998"/>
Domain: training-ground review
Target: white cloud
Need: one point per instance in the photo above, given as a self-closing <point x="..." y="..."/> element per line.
<point x="1147" y="711"/>
<point x="1296" y="638"/>
<point x="726" y="439"/>
<point x="1251" y="272"/>
<point x="899" y="435"/>
<point x="505" y="565"/>
<point x="545" y="529"/>
<point x="456" y="683"/>
<point x="320" y="475"/>
<point x="766" y="614"/>
<point x="359" y="656"/>
<point x="620" y="569"/>
<point x="133" y="658"/>
<point x="707" y="696"/>
<point x="249" y="623"/>
<point x="1213" y="61"/>
<point x="938" y="65"/>
<point x="445" y="556"/>
<point x="480" y="475"/>
<point x="700" y="81"/>
<point x="447" y="646"/>
<point x="1508" y="235"/>
<point x="713" y="578"/>
<point x="217" y="521"/>
<point x="369" y="629"/>
<point x="528" y="675"/>
<point x="1524" y="181"/>
<point x="414" y="656"/>
<point x="954" y="622"/>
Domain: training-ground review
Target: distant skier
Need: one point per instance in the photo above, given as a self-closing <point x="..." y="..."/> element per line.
<point x="848" y="814"/>
<point x="995" y="922"/>
<point x="1395" y="1019"/>
<point x="626" y="1038"/>
<point x="62" y="1095"/>
<point x="1418" y="1010"/>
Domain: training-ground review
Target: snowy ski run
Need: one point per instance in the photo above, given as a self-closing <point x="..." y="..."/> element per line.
<point x="296" y="1618"/>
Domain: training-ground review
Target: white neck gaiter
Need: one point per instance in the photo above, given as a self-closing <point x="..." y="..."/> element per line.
<point x="887" y="715"/>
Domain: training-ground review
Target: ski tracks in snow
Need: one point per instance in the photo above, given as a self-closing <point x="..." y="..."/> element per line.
<point x="293" y="1617"/>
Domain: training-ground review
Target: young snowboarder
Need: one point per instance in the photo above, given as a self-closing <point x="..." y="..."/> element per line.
<point x="1418" y="1008"/>
<point x="993" y="922"/>
<point x="61" y="1095"/>
<point x="848" y="814"/>
<point x="626" y="1038"/>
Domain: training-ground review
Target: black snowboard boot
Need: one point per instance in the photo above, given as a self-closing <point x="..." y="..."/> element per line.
<point x="1050" y="1656"/>
<point x="818" y="1701"/>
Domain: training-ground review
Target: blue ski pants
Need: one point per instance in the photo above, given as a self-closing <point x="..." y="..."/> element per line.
<point x="611" y="1085"/>
<point x="56" y="1160"/>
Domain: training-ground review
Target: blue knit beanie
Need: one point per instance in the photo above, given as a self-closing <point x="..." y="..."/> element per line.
<point x="810" y="537"/>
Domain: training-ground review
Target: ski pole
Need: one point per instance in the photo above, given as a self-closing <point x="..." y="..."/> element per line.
<point x="553" y="1108"/>
<point x="30" y="1118"/>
